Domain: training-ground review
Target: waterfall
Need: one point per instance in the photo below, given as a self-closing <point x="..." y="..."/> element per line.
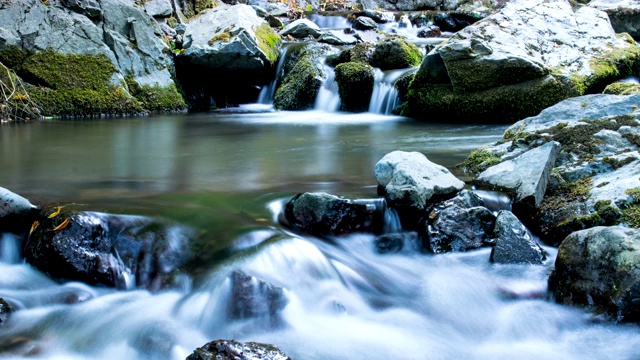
<point x="268" y="92"/>
<point x="328" y="98"/>
<point x="9" y="249"/>
<point x="385" y="95"/>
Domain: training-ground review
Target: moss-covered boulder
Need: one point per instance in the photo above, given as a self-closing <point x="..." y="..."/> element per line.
<point x="395" y="52"/>
<point x="304" y="73"/>
<point x="622" y="88"/>
<point x="519" y="61"/>
<point x="355" y="85"/>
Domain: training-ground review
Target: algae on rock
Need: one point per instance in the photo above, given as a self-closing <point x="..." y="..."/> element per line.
<point x="355" y="85"/>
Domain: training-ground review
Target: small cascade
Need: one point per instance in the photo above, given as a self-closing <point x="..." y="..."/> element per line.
<point x="328" y="98"/>
<point x="268" y="92"/>
<point x="391" y="221"/>
<point x="385" y="95"/>
<point x="330" y="22"/>
<point x="9" y="249"/>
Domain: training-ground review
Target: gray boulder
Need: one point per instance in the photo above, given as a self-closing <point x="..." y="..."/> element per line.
<point x="624" y="15"/>
<point x="159" y="8"/>
<point x="525" y="176"/>
<point x="364" y="23"/>
<point x="301" y="28"/>
<point x="409" y="179"/>
<point x="597" y="268"/>
<point x="234" y="350"/>
<point x="458" y="224"/>
<point x="16" y="212"/>
<point x="88" y="8"/>
<point x="519" y="61"/>
<point x="514" y="244"/>
<point x="337" y="37"/>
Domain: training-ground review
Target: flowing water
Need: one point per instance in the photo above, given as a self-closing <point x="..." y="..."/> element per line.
<point x="229" y="174"/>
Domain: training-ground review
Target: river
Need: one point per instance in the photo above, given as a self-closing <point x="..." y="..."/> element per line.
<point x="227" y="174"/>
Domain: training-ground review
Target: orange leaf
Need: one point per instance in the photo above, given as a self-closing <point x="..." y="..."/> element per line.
<point x="33" y="227"/>
<point x="62" y="225"/>
<point x="55" y="213"/>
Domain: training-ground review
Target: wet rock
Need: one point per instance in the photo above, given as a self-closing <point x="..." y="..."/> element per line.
<point x="337" y="37"/>
<point x="622" y="88"/>
<point x="597" y="268"/>
<point x="525" y="176"/>
<point x="16" y="212"/>
<point x="396" y="53"/>
<point x="301" y="28"/>
<point x="389" y="243"/>
<point x="624" y="15"/>
<point x="355" y="85"/>
<point x="305" y="75"/>
<point x="362" y="52"/>
<point x="458" y="224"/>
<point x="429" y="32"/>
<point x="322" y="214"/>
<point x="252" y="298"/>
<point x="274" y="22"/>
<point x="364" y="23"/>
<point x="514" y="244"/>
<point x="5" y="311"/>
<point x="380" y="17"/>
<point x="409" y="181"/>
<point x="454" y="22"/>
<point x="113" y="250"/>
<point x="233" y="350"/>
<point x="483" y="76"/>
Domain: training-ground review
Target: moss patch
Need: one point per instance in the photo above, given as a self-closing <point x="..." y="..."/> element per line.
<point x="355" y="85"/>
<point x="269" y="42"/>
<point x="396" y="53"/>
<point x="631" y="213"/>
<point x="479" y="161"/>
<point x="300" y="87"/>
<point x="622" y="88"/>
<point x="224" y="36"/>
<point x="156" y="98"/>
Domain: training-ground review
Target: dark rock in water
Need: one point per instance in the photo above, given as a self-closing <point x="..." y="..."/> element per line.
<point x="113" y="250"/>
<point x="337" y="37"/>
<point x="355" y="85"/>
<point x="458" y="224"/>
<point x="454" y="22"/>
<point x="598" y="268"/>
<point x="624" y="15"/>
<point x="362" y="52"/>
<point x="5" y="310"/>
<point x="381" y="17"/>
<point x="364" y="23"/>
<point x="322" y="214"/>
<point x="16" y="212"/>
<point x="514" y="243"/>
<point x="154" y="342"/>
<point x="429" y="32"/>
<point x="233" y="350"/>
<point x="252" y="298"/>
<point x="301" y="28"/>
<point x="394" y="52"/>
<point x="390" y="243"/>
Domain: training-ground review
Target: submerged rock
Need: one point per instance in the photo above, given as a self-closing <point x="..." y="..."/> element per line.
<point x="355" y="85"/>
<point x="5" y="311"/>
<point x="114" y="250"/>
<point x="16" y="212"/>
<point x="597" y="268"/>
<point x="389" y="243"/>
<point x="514" y="63"/>
<point x="458" y="224"/>
<point x="514" y="244"/>
<point x="233" y="350"/>
<point x="323" y="214"/>
<point x="252" y="298"/>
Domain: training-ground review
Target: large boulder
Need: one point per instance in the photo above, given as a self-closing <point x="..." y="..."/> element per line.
<point x="598" y="269"/>
<point x="514" y="244"/>
<point x="458" y="224"/>
<point x="304" y="73"/>
<point x="512" y="64"/>
<point x="234" y="350"/>
<point x="114" y="250"/>
<point x="115" y="37"/>
<point x="324" y="214"/>
<point x="410" y="181"/>
<point x="596" y="175"/>
<point x="16" y="212"/>
<point x="395" y="52"/>
<point x="624" y="15"/>
<point x="355" y="85"/>
<point x="230" y="51"/>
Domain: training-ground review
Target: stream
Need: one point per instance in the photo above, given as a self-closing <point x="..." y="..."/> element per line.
<point x="228" y="174"/>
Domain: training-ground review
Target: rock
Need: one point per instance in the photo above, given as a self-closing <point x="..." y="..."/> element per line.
<point x="624" y="15"/>
<point x="233" y="350"/>
<point x="429" y="32"/>
<point x="16" y="213"/>
<point x="274" y="22"/>
<point x="305" y="75"/>
<point x="380" y="17"/>
<point x="114" y="250"/>
<point x="458" y="224"/>
<point x="396" y="53"/>
<point x="361" y="52"/>
<point x="525" y="176"/>
<point x="514" y="244"/>
<point x="622" y="88"/>
<point x="252" y="298"/>
<point x="322" y="214"/>
<point x="261" y="12"/>
<point x="404" y="22"/>
<point x="301" y="28"/>
<point x="88" y="8"/>
<point x="389" y="243"/>
<point x="337" y="37"/>
<point x="364" y="23"/>
<point x="159" y="8"/>
<point x="5" y="311"/>
<point x="410" y="5"/>
<point x="454" y="22"/>
<point x="355" y="85"/>
<point x="597" y="268"/>
<point x="519" y="61"/>
<point x="410" y="180"/>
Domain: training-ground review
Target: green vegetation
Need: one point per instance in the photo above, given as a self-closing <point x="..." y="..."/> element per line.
<point x="618" y="163"/>
<point x="622" y="88"/>
<point x="355" y="85"/>
<point x="479" y="161"/>
<point x="268" y="42"/>
<point x="300" y="87"/>
<point x="224" y="36"/>
<point x="156" y="98"/>
<point x="631" y="212"/>
<point x="395" y="52"/>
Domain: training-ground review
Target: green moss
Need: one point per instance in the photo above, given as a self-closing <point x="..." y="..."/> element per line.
<point x="156" y="98"/>
<point x="13" y="57"/>
<point x="618" y="163"/>
<point x="631" y="212"/>
<point x="355" y="85"/>
<point x="224" y="36"/>
<point x="269" y="42"/>
<point x="622" y="88"/>
<point x="362" y="52"/>
<point x="300" y="87"/>
<point x="632" y="138"/>
<point x="394" y="52"/>
<point x="479" y="161"/>
<point x="84" y="102"/>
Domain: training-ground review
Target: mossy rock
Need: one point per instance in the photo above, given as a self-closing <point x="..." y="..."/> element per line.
<point x="362" y="52"/>
<point x="622" y="88"/>
<point x="269" y="42"/>
<point x="395" y="53"/>
<point x="355" y="85"/>
<point x="156" y="98"/>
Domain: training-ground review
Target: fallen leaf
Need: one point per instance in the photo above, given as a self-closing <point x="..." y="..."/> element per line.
<point x="62" y="225"/>
<point x="55" y="213"/>
<point x="33" y="227"/>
